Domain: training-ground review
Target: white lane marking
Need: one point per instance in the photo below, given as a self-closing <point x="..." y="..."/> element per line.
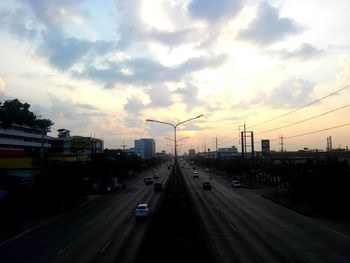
<point x="323" y="226"/>
<point x="65" y="248"/>
<point x="330" y="229"/>
<point x="104" y="248"/>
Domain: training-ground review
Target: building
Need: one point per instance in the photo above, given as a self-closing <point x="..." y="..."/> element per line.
<point x="23" y="138"/>
<point x="65" y="144"/>
<point x="227" y="152"/>
<point x="145" y="148"/>
<point x="191" y="152"/>
<point x="221" y="153"/>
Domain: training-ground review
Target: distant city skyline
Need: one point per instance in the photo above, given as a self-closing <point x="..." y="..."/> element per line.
<point x="104" y="68"/>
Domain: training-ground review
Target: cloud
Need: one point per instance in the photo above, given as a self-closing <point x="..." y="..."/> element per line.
<point x="189" y="95"/>
<point x="213" y="11"/>
<point x="134" y="105"/>
<point x="160" y="97"/>
<point x="303" y="52"/>
<point x="133" y="122"/>
<point x="343" y="78"/>
<point x="44" y="24"/>
<point x="292" y="93"/>
<point x="3" y="95"/>
<point x="2" y="85"/>
<point x="86" y="106"/>
<point x="144" y="71"/>
<point x="268" y="27"/>
<point x="174" y="38"/>
<point x="73" y="116"/>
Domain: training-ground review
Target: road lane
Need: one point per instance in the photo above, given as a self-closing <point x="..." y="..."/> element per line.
<point x="95" y="231"/>
<point x="246" y="227"/>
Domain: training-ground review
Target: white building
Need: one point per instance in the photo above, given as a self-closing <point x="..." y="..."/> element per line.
<point x="227" y="152"/>
<point x="23" y="137"/>
<point x="145" y="148"/>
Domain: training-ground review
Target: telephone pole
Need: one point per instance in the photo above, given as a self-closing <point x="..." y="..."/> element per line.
<point x="281" y="143"/>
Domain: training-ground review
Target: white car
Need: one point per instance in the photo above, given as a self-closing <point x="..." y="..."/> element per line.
<point x="236" y="184"/>
<point x="142" y="210"/>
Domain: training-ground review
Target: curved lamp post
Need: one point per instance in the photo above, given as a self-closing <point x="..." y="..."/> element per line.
<point x="175" y="126"/>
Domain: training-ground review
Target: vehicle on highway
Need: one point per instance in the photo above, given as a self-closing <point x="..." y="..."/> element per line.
<point x="112" y="184"/>
<point x="142" y="210"/>
<point x="207" y="170"/>
<point x="158" y="187"/>
<point x="206" y="185"/>
<point x="236" y="184"/>
<point x="148" y="180"/>
<point x="156" y="176"/>
<point x="194" y="167"/>
<point x="195" y="175"/>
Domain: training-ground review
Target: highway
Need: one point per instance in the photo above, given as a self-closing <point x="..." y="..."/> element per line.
<point x="242" y="226"/>
<point x="100" y="230"/>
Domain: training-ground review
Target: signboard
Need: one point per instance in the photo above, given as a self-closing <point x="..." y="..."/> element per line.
<point x="265" y="146"/>
<point x="79" y="145"/>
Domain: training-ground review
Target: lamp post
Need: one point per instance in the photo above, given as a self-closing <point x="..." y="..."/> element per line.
<point x="184" y="138"/>
<point x="175" y="126"/>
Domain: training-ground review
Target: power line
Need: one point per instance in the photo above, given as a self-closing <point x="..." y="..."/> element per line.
<point x="227" y="141"/>
<point x="220" y="139"/>
<point x="302" y="107"/>
<point x="308" y="119"/>
<point x="326" y="129"/>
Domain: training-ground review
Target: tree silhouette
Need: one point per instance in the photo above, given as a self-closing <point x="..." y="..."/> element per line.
<point x="14" y="111"/>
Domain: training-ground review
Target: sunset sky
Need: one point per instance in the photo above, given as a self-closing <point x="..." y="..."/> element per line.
<point x="102" y="67"/>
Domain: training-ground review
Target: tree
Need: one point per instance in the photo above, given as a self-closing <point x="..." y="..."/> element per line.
<point x="14" y="111"/>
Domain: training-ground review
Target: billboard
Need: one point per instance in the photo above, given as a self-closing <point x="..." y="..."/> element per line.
<point x="265" y="146"/>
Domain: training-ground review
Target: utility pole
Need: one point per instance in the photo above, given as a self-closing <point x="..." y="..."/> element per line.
<point x="244" y="134"/>
<point x="329" y="143"/>
<point x="216" y="147"/>
<point x="245" y="138"/>
<point x="281" y="143"/>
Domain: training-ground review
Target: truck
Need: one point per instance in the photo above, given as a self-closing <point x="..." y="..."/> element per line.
<point x="112" y="184"/>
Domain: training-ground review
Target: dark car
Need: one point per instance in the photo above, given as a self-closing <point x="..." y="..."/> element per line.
<point x="148" y="180"/>
<point x="195" y="175"/>
<point x="158" y="187"/>
<point x="207" y="185"/>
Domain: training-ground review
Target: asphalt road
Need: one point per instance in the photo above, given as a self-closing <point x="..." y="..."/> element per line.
<point x="242" y="226"/>
<point x="101" y="230"/>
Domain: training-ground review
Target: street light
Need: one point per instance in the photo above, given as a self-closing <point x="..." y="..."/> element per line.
<point x="175" y="126"/>
<point x="177" y="139"/>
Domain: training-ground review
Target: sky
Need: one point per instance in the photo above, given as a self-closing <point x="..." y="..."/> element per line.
<point x="101" y="68"/>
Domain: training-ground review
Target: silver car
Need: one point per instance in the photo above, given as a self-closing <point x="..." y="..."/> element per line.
<point x="142" y="210"/>
<point x="236" y="184"/>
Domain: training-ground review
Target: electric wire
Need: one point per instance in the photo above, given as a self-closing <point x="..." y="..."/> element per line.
<point x="317" y="131"/>
<point x="307" y="119"/>
<point x="302" y="107"/>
